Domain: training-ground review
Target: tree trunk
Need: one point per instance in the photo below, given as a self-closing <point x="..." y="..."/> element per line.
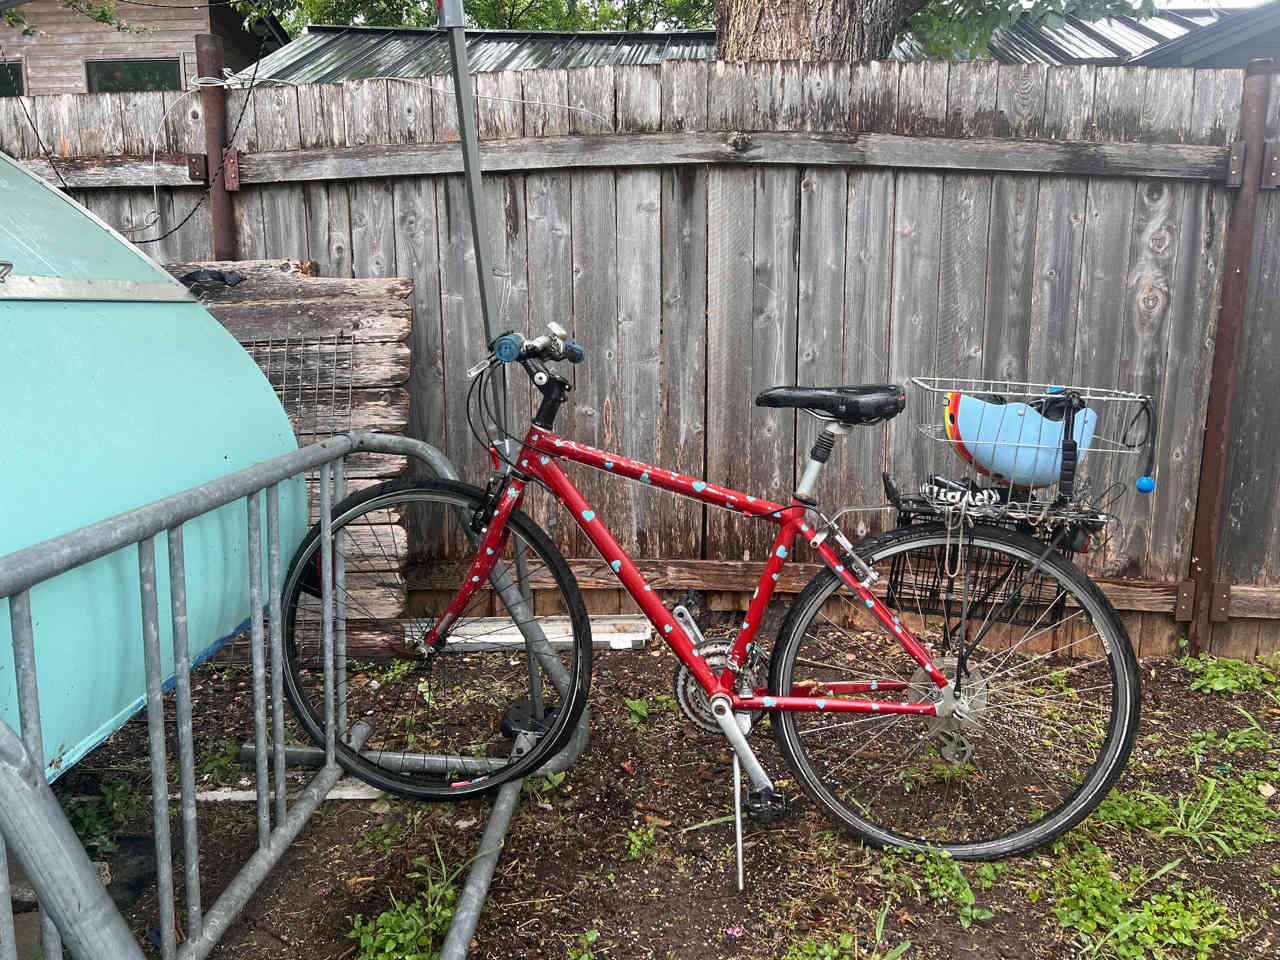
<point x="810" y="29"/>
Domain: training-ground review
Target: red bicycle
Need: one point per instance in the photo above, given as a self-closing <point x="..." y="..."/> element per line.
<point x="939" y="686"/>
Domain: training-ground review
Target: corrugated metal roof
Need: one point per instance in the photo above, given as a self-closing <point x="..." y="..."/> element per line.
<point x="329" y="54"/>
<point x="1112" y="40"/>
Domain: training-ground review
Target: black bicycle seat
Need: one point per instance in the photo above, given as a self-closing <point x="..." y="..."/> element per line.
<point x="867" y="403"/>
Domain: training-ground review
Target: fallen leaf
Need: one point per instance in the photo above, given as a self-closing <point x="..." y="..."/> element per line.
<point x="1267" y="790"/>
<point x="628" y="766"/>
<point x="656" y="821"/>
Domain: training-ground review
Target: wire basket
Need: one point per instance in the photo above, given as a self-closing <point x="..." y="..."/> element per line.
<point x="1037" y="453"/>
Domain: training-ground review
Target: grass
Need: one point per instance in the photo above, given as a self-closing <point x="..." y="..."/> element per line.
<point x="1224" y="675"/>
<point x="1221" y="817"/>
<point x="98" y="821"/>
<point x="1102" y="906"/>
<point x="640" y="840"/>
<point x="411" y="929"/>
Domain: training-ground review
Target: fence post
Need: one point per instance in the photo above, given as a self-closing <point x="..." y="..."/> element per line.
<point x="209" y="63"/>
<point x="1226" y="351"/>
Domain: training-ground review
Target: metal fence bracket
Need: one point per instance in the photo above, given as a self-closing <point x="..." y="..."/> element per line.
<point x="231" y="169"/>
<point x="1184" y="611"/>
<point x="1220" y="603"/>
<point x="198" y="167"/>
<point x="1235" y="163"/>
<point x="1270" y="166"/>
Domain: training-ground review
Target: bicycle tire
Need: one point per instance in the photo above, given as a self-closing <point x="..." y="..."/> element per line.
<point x="996" y="801"/>
<point x="429" y="738"/>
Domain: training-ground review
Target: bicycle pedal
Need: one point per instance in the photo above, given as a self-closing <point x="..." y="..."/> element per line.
<point x="767" y="805"/>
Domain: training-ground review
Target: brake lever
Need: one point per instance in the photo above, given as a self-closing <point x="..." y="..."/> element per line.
<point x="481" y="367"/>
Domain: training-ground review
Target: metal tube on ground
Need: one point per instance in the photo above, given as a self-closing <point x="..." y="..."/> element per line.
<point x="155" y="744"/>
<point x="186" y="749"/>
<point x="471" y="900"/>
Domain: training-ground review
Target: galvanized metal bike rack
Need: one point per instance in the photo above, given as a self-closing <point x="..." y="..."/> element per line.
<point x="76" y="909"/>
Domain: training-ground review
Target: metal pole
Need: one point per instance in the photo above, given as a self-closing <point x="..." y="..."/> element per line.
<point x="1226" y="350"/>
<point x="155" y="745"/>
<point x="24" y="667"/>
<point x="210" y="60"/>
<point x="453" y="20"/>
<point x="186" y="748"/>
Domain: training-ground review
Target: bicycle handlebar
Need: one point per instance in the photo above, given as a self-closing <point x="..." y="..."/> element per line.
<point x="512" y="347"/>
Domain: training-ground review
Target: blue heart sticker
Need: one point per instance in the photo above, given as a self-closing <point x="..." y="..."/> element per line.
<point x="559" y="443"/>
<point x="489" y="551"/>
<point x="647" y="588"/>
<point x="644" y="477"/>
<point x="745" y="625"/>
<point x="699" y="485"/>
<point x="870" y="604"/>
<point x="545" y="460"/>
<point x="770" y="702"/>
<point x="524" y="463"/>
<point x="588" y="515"/>
<point x="751" y="499"/>
<point x="608" y="464"/>
<point x="666" y="628"/>
<point x="617" y="565"/>
<point x="782" y="551"/>
<point x="775" y="576"/>
<point x="475" y="579"/>
<point x="822" y="704"/>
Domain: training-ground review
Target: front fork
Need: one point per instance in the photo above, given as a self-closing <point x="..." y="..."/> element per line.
<point x="492" y="544"/>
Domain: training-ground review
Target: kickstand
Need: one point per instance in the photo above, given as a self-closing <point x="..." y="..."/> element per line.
<point x="737" y="813"/>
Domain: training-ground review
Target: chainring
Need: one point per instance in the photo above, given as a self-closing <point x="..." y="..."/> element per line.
<point x="693" y="700"/>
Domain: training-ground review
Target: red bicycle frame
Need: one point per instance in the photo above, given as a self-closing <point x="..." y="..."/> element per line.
<point x="539" y="458"/>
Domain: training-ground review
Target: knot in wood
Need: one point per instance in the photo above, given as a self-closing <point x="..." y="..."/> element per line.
<point x="739" y="142"/>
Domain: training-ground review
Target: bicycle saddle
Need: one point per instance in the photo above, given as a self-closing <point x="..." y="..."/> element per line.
<point x="868" y="403"/>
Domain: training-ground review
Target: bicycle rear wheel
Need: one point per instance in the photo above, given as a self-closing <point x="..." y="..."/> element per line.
<point x="487" y="707"/>
<point x="1050" y="691"/>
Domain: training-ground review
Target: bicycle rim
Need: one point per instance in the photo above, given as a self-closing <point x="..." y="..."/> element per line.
<point x="485" y="708"/>
<point x="1050" y="695"/>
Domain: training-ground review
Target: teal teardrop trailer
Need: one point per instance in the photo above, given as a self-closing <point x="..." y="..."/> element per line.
<point x="118" y="389"/>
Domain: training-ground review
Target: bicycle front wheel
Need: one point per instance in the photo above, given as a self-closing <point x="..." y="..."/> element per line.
<point x="496" y="701"/>
<point x="1049" y="694"/>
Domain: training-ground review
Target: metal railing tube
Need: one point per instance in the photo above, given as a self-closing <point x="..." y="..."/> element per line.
<point x="155" y="738"/>
<point x="257" y="659"/>
<point x="8" y="944"/>
<point x="54" y="861"/>
<point x="326" y="593"/>
<point x="277" y="648"/>
<point x="41" y="561"/>
<point x="340" y="598"/>
<point x="24" y="666"/>
<point x="186" y="748"/>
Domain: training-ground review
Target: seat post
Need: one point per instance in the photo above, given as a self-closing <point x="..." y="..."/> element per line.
<point x="818" y="457"/>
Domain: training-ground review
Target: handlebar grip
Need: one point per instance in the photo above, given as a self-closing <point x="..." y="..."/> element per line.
<point x="574" y="353"/>
<point x="508" y="346"/>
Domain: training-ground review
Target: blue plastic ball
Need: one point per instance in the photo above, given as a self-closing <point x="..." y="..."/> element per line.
<point x="1146" y="484"/>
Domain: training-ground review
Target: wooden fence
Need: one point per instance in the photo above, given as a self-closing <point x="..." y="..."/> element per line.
<point x="708" y="230"/>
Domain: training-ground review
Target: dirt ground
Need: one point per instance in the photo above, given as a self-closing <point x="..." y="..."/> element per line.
<point x="634" y="844"/>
